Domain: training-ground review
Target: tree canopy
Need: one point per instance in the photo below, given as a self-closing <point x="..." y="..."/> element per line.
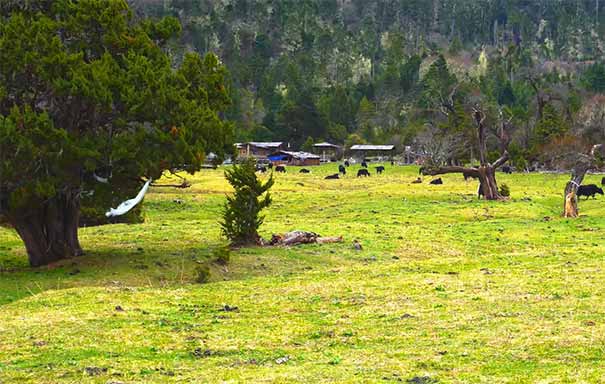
<point x="88" y="93"/>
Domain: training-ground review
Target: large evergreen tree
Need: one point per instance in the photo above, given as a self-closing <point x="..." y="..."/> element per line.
<point x="85" y="92"/>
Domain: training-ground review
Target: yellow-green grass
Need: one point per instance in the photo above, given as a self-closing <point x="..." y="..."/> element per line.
<point x="447" y="289"/>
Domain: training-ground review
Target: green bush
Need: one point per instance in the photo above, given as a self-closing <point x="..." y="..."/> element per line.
<point x="241" y="214"/>
<point x="521" y="164"/>
<point x="504" y="190"/>
<point x="222" y="255"/>
<point x="202" y="274"/>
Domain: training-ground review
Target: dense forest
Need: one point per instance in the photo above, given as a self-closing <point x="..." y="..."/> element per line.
<point x="405" y="72"/>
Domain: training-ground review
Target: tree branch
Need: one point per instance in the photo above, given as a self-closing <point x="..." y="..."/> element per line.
<point x="503" y="159"/>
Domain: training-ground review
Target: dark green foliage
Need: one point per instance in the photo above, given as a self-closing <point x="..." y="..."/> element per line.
<point x="222" y="255"/>
<point x="202" y="274"/>
<point x="299" y="119"/>
<point x="493" y="156"/>
<point x="455" y="46"/>
<point x="308" y="145"/>
<point x="90" y="91"/>
<point x="594" y="77"/>
<point x="241" y="214"/>
<point x="506" y="94"/>
<point x="517" y="156"/>
<point x="551" y="126"/>
<point x="409" y="73"/>
<point x="437" y="84"/>
<point x="504" y="190"/>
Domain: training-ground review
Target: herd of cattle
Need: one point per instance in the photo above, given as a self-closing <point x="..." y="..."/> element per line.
<point x="589" y="190"/>
<point x="342" y="170"/>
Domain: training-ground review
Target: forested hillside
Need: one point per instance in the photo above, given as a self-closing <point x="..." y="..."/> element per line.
<point x="406" y="72"/>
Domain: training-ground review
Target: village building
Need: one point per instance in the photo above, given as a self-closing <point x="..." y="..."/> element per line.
<point x="327" y="151"/>
<point x="370" y="151"/>
<point x="260" y="150"/>
<point x="294" y="158"/>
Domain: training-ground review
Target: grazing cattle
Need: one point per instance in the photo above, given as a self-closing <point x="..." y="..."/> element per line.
<point x="589" y="190"/>
<point x="304" y="170"/>
<point x="392" y="162"/>
<point x="363" y="172"/>
<point x="270" y="165"/>
<point x="379" y="169"/>
<point x="469" y="175"/>
<point x="261" y="169"/>
<point x="280" y="168"/>
<point x="507" y="169"/>
<point x="417" y="181"/>
<point x="342" y="169"/>
<point x="436" y="181"/>
<point x="603" y="181"/>
<point x="347" y="164"/>
<point x="364" y="164"/>
<point x="331" y="177"/>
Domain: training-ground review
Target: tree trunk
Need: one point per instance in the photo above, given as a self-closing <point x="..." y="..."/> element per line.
<point x="487" y="183"/>
<point x="50" y="231"/>
<point x="570" y="206"/>
<point x="486" y="172"/>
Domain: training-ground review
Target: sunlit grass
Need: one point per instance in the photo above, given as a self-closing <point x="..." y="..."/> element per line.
<point x="447" y="288"/>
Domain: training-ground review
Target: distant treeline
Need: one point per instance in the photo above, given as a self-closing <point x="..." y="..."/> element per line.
<point x="405" y="72"/>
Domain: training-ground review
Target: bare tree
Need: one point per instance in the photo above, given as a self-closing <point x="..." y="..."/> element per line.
<point x="486" y="172"/>
<point x="436" y="145"/>
<point x="582" y="164"/>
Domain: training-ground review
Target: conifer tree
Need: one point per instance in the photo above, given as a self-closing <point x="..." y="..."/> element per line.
<point x="88" y="93"/>
<point x="241" y="215"/>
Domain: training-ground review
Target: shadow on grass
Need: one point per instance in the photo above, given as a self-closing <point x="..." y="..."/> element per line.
<point x="153" y="266"/>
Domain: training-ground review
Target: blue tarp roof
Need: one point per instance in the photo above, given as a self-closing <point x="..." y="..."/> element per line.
<point x="278" y="157"/>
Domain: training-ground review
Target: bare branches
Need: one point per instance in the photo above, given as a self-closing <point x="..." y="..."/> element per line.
<point x="486" y="172"/>
<point x="503" y="131"/>
<point x="479" y="117"/>
<point x="438" y="146"/>
<point x="447" y="105"/>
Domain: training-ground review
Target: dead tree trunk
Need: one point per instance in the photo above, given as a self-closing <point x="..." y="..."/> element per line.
<point x="486" y="172"/>
<point x="570" y="207"/>
<point x="583" y="163"/>
<point x="50" y="230"/>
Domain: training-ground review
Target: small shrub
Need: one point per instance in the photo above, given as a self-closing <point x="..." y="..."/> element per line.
<point x="203" y="274"/>
<point x="241" y="218"/>
<point x="504" y="190"/>
<point x="222" y="255"/>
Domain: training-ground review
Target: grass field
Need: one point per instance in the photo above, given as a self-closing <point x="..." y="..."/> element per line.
<point x="447" y="289"/>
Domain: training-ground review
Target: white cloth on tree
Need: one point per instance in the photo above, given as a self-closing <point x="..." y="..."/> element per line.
<point x="100" y="179"/>
<point x="129" y="204"/>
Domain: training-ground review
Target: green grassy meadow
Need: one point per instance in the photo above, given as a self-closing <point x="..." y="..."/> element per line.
<point x="447" y="289"/>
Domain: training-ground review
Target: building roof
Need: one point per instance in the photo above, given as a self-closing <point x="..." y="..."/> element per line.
<point x="261" y="144"/>
<point x="325" y="144"/>
<point x="300" y="155"/>
<point x="266" y="144"/>
<point x="370" y="147"/>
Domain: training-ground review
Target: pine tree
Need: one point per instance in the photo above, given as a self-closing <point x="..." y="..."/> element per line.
<point x="241" y="218"/>
<point x="308" y="145"/>
<point x="437" y="83"/>
<point x="550" y="126"/>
